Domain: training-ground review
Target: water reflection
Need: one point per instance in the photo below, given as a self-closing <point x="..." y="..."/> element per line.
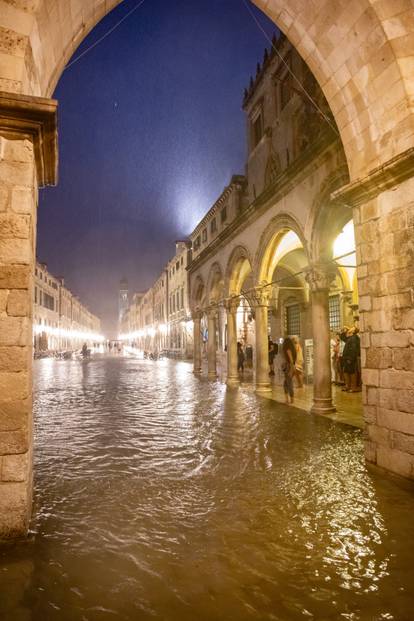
<point x="162" y="496"/>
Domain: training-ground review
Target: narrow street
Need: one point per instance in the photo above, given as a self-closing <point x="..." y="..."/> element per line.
<point x="159" y="495"/>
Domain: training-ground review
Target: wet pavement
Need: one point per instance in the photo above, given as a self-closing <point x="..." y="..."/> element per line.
<point x="162" y="496"/>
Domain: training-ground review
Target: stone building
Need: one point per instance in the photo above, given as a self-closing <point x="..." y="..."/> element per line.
<point x="60" y="321"/>
<point x="261" y="251"/>
<point x="180" y="334"/>
<point x="361" y="55"/>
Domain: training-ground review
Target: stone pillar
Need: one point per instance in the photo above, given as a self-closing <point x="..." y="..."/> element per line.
<point x="212" y="343"/>
<point x="231" y="309"/>
<point x="27" y="160"/>
<point x="197" y="343"/>
<point x="261" y="307"/>
<point x="384" y="232"/>
<point x="319" y="278"/>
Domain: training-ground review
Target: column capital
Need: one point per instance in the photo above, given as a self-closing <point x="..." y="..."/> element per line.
<point x="320" y="276"/>
<point x="231" y="304"/>
<point x="196" y="315"/>
<point x="34" y="118"/>
<point x="212" y="312"/>
<point x="262" y="295"/>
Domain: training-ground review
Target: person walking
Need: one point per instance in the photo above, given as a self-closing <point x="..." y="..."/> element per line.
<point x="240" y="358"/>
<point x="289" y="355"/>
<point x="273" y="349"/>
<point x="299" y="361"/>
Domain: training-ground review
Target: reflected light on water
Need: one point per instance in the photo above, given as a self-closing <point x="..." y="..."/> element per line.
<point x="163" y="496"/>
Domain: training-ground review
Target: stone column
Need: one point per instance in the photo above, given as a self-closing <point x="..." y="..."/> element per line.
<point x="261" y="307"/>
<point x="212" y="343"/>
<point x="319" y="278"/>
<point x="231" y="309"/>
<point x="27" y="160"/>
<point x="384" y="233"/>
<point x="196" y="316"/>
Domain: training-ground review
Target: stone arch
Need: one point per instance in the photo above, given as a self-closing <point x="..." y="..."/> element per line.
<point x="327" y="217"/>
<point x="239" y="267"/>
<point x="215" y="283"/>
<point x="269" y="241"/>
<point x="354" y="53"/>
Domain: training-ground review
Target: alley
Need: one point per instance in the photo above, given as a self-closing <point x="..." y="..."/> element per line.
<point x="161" y="495"/>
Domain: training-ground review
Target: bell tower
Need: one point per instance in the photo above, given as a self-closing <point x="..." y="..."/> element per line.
<point x="123" y="298"/>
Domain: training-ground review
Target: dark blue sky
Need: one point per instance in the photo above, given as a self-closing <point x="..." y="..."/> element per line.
<point x="150" y="131"/>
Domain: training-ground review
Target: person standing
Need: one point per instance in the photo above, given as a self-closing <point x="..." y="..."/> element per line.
<point x="299" y="361"/>
<point x="350" y="356"/>
<point x="240" y="357"/>
<point x="289" y="355"/>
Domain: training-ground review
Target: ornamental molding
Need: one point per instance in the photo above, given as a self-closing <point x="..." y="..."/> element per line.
<point x="231" y="304"/>
<point x="384" y="177"/>
<point x="320" y="276"/>
<point x="34" y="118"/>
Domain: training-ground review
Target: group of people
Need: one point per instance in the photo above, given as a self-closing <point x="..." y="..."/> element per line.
<point x="346" y="359"/>
<point x="292" y="366"/>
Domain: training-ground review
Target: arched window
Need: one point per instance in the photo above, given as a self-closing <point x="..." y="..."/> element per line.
<point x="273" y="169"/>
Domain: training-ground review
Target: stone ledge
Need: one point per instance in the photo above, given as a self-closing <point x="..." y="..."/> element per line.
<point x="36" y="119"/>
<point x="384" y="177"/>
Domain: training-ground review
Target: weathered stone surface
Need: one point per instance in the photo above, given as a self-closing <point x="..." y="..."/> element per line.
<point x="14" y="386"/>
<point x="14" y="226"/>
<point x="14" y="359"/>
<point x="14" y="415"/>
<point x="12" y="442"/>
<point x="14" y="331"/>
<point x="15" y="467"/>
<point x="16" y="250"/>
<point x="399" y="421"/>
<point x="15" y="276"/>
<point x="18" y="304"/>
<point x="391" y="378"/>
<point x="402" y="442"/>
<point x="22" y="200"/>
<point x="15" y="500"/>
<point x="395" y="461"/>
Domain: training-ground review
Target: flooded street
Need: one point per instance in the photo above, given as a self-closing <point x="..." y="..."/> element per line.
<point x="162" y="496"/>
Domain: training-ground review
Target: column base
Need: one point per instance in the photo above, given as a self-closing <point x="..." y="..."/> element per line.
<point x="196" y="371"/>
<point x="233" y="381"/>
<point x="323" y="406"/>
<point x="212" y="375"/>
<point x="263" y="387"/>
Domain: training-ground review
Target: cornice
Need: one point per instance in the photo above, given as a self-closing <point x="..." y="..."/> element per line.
<point x="283" y="184"/>
<point x="36" y="119"/>
<point x="380" y="179"/>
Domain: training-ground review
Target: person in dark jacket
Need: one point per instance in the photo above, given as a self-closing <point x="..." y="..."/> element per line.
<point x="240" y="357"/>
<point x="350" y="355"/>
<point x="289" y="360"/>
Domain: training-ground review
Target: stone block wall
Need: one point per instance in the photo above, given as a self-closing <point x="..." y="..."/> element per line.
<point x="17" y="250"/>
<point x="385" y="253"/>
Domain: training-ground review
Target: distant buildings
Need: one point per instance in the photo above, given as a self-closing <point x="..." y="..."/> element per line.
<point x="60" y="321"/>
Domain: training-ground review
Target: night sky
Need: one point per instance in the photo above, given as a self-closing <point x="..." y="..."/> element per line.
<point x="150" y="132"/>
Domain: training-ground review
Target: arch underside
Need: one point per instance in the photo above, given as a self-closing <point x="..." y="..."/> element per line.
<point x="358" y="52"/>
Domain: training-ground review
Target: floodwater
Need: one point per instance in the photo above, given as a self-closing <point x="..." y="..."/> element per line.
<point x="159" y="496"/>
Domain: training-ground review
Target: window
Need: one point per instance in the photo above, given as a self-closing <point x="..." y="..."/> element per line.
<point x="204" y="235"/>
<point x="35" y="295"/>
<point x="223" y="214"/>
<point x="213" y="225"/>
<point x="177" y="266"/>
<point x="182" y="297"/>
<point x="257" y="127"/>
<point x="334" y="313"/>
<point x="285" y="88"/>
<point x="293" y="319"/>
<point x="178" y="300"/>
<point x="182" y="260"/>
<point x="197" y="242"/>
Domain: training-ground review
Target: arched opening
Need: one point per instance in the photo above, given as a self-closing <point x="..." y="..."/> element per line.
<point x="376" y="132"/>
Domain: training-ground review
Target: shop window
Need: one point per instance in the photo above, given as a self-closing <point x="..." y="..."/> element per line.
<point x="292" y="319"/>
<point x="335" y="313"/>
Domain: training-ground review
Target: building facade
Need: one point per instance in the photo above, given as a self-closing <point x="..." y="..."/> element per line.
<point x="60" y="321"/>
